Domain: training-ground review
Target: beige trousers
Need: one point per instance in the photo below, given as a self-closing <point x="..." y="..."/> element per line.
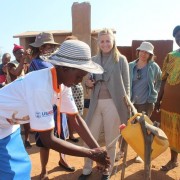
<point x="105" y="118"/>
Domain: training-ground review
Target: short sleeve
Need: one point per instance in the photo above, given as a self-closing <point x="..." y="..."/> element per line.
<point x="68" y="105"/>
<point x="41" y="111"/>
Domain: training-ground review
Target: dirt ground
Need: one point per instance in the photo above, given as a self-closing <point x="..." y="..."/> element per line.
<point x="134" y="171"/>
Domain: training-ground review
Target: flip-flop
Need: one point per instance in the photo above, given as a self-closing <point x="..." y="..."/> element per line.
<point x="70" y="169"/>
<point x="170" y="165"/>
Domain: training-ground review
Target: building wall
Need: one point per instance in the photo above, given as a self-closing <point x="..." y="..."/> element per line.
<point x="161" y="48"/>
<point x="126" y="51"/>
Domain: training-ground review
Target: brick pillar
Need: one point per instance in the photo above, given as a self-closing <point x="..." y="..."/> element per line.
<point x="81" y="21"/>
<point x="81" y="28"/>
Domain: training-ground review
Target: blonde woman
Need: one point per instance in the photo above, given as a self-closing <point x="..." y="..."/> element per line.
<point x="107" y="109"/>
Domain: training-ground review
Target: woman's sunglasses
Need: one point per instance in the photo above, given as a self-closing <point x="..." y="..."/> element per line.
<point x="138" y="74"/>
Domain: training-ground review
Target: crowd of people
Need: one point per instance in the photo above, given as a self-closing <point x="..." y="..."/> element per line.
<point x="41" y="91"/>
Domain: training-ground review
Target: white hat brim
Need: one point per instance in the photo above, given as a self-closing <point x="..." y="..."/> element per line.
<point x="142" y="49"/>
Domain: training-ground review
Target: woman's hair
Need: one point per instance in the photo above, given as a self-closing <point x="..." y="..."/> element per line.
<point x="151" y="56"/>
<point x="116" y="53"/>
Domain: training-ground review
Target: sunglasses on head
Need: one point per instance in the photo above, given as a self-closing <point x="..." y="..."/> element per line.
<point x="138" y="74"/>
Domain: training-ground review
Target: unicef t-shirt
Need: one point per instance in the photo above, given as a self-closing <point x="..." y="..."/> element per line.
<point x="30" y="99"/>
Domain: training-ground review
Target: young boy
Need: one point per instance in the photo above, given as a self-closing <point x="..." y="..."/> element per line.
<point x="31" y="98"/>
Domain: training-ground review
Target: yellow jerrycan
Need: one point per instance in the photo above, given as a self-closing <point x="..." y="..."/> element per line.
<point x="133" y="135"/>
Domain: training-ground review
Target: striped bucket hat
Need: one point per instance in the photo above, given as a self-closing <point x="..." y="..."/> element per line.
<point x="75" y="54"/>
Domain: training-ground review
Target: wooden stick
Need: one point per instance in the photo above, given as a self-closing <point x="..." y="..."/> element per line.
<point x="148" y="139"/>
<point x="124" y="161"/>
<point x="131" y="109"/>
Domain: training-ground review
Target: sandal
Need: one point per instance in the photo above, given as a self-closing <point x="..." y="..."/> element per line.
<point x="67" y="168"/>
<point x="170" y="165"/>
<point x="27" y="144"/>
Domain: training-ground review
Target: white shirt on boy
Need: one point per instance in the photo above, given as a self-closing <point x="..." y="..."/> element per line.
<point x="30" y="99"/>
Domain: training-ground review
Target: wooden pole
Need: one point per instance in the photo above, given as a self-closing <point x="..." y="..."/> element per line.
<point x="148" y="139"/>
<point x="124" y="161"/>
<point x="127" y="102"/>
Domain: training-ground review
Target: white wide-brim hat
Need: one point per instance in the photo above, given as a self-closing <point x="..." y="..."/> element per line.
<point x="146" y="46"/>
<point x="75" y="54"/>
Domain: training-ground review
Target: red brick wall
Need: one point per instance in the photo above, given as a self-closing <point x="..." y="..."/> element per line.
<point x="161" y="48"/>
<point x="126" y="51"/>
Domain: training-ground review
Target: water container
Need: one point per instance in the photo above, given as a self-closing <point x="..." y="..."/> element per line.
<point x="133" y="135"/>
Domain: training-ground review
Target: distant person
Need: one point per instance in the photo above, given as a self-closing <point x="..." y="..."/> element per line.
<point x="44" y="44"/>
<point x="145" y="81"/>
<point x="169" y="101"/>
<point x="15" y="69"/>
<point x="107" y="108"/>
<point x="3" y="68"/>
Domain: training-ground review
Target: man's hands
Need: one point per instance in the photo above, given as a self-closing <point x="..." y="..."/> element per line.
<point x="100" y="156"/>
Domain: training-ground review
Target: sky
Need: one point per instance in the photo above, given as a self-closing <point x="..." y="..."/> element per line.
<point x="132" y="19"/>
